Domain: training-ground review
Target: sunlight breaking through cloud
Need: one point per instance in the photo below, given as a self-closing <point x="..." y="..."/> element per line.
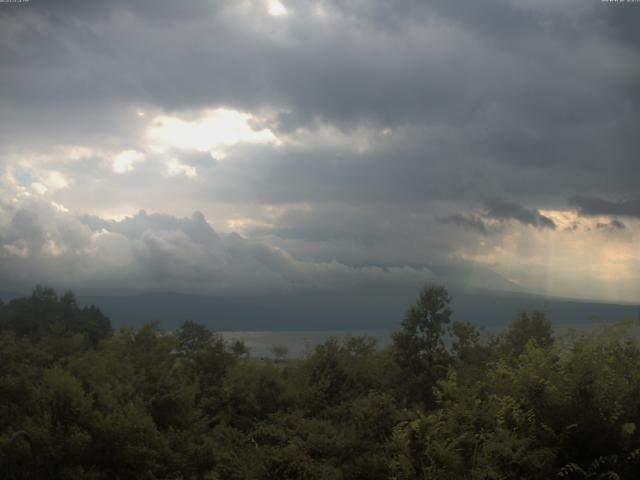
<point x="212" y="131"/>
<point x="375" y="134"/>
<point x="124" y="162"/>
<point x="276" y="8"/>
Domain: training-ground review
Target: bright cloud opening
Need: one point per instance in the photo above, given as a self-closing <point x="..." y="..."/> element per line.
<point x="212" y="132"/>
<point x="174" y="168"/>
<point x="39" y="188"/>
<point x="55" y="181"/>
<point x="582" y="258"/>
<point x="276" y="9"/>
<point x="125" y="161"/>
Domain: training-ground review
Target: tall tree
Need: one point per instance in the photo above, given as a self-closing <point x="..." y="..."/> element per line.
<point x="525" y="328"/>
<point x="419" y="347"/>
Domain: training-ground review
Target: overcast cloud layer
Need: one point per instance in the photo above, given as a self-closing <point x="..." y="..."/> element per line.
<point x="320" y="144"/>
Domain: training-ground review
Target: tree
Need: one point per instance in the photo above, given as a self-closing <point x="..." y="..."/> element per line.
<point x="419" y="347"/>
<point x="45" y="315"/>
<point x="280" y="352"/>
<point x="470" y="351"/>
<point x="193" y="336"/>
<point x="527" y="328"/>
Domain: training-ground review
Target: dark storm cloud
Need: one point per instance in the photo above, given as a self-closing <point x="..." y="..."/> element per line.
<point x="500" y="209"/>
<point x="195" y="227"/>
<point x="522" y="83"/>
<point x="387" y="62"/>
<point x="430" y="108"/>
<point x="25" y="231"/>
<point x="468" y="221"/>
<point x="143" y="252"/>
<point x="514" y="86"/>
<point x="600" y="206"/>
<point x="358" y="235"/>
<point x="612" y="226"/>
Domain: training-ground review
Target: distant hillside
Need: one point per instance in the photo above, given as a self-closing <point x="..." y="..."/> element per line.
<point x="343" y="311"/>
<point x="377" y="309"/>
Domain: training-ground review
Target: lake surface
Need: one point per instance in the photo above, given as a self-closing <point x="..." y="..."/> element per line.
<point x="300" y="342"/>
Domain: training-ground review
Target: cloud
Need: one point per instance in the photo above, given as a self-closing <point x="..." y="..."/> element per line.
<point x="365" y="133"/>
<point x="466" y="221"/>
<point x="500" y="209"/>
<point x="211" y="131"/>
<point x="124" y="162"/>
<point x="357" y="235"/>
<point x="159" y="252"/>
<point x="276" y="8"/>
<point x="26" y="236"/>
<point x="600" y="206"/>
<point x="612" y="226"/>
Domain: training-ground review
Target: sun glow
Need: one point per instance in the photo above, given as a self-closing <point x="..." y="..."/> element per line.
<point x="175" y="168"/>
<point x="124" y="162"/>
<point x="584" y="257"/>
<point x="213" y="131"/>
<point x="276" y="8"/>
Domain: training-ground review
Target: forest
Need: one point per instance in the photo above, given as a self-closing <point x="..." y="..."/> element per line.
<point x="444" y="401"/>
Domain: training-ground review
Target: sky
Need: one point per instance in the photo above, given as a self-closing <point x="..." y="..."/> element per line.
<point x="226" y="148"/>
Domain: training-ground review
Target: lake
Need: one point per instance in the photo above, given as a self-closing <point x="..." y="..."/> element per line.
<point x="300" y="342"/>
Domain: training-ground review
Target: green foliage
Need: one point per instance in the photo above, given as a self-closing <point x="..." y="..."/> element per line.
<point x="442" y="402"/>
<point x="45" y="315"/>
<point x="528" y="328"/>
<point x="193" y="337"/>
<point x="419" y="347"/>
